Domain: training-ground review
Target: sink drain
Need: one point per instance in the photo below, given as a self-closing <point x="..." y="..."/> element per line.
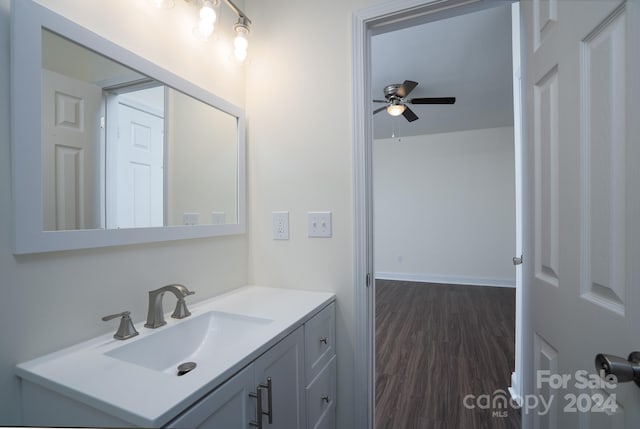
<point x="186" y="367"/>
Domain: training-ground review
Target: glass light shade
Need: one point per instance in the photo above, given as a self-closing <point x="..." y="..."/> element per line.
<point x="207" y="13"/>
<point x="241" y="42"/>
<point x="395" y="109"/>
<point x="240" y="54"/>
<point x="203" y="30"/>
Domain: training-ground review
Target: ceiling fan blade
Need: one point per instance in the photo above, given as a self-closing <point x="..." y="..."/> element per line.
<point x="432" y="100"/>
<point x="406" y="88"/>
<point x="409" y="115"/>
<point x="379" y="110"/>
<point x="380" y="101"/>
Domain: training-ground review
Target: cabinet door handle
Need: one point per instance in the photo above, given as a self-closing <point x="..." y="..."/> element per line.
<point x="258" y="395"/>
<point x="324" y="340"/>
<point x="268" y="386"/>
<point x="325" y="398"/>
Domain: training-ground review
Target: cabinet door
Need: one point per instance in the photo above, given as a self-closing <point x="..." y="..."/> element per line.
<point x="284" y="364"/>
<point x="229" y="406"/>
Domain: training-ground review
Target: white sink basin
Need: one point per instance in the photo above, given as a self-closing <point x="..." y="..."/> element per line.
<point x="202" y="339"/>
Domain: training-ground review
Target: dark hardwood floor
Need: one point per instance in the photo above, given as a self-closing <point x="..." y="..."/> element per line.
<point x="435" y="344"/>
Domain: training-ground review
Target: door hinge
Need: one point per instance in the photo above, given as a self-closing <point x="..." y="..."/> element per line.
<point x="517" y="260"/>
<point x="368" y="279"/>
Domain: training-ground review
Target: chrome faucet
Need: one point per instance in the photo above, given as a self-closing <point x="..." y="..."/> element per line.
<point x="155" y="316"/>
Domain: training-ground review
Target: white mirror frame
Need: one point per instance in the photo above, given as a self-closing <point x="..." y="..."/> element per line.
<point x="28" y="19"/>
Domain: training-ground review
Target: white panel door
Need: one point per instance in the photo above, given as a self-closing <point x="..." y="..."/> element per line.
<point x="140" y="159"/>
<point x="582" y="115"/>
<point x="70" y="153"/>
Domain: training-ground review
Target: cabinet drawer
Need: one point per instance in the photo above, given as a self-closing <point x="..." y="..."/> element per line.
<point x="319" y="341"/>
<point x="321" y="396"/>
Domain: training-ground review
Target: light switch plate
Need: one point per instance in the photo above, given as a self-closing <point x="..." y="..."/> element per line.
<point x="319" y="224"/>
<point x="280" y="225"/>
<point x="218" y="218"/>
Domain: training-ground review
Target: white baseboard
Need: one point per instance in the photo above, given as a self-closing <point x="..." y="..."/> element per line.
<point x="455" y="280"/>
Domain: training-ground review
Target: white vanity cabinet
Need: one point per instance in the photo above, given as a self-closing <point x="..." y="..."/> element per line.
<point x="234" y="404"/>
<point x="284" y="354"/>
<point x="302" y="373"/>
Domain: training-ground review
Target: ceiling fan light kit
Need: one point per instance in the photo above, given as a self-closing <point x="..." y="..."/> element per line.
<point x="396" y="100"/>
<point x="396" y="109"/>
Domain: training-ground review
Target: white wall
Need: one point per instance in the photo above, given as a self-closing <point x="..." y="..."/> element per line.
<point x="203" y="180"/>
<point x="300" y="156"/>
<point x="445" y="207"/>
<point x="50" y="301"/>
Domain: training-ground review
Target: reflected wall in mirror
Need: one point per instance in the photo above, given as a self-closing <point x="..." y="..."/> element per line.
<point x="110" y="149"/>
<point x="122" y="150"/>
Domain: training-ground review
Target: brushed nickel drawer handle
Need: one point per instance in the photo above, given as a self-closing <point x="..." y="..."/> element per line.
<point x="258" y="395"/>
<point x="268" y="386"/>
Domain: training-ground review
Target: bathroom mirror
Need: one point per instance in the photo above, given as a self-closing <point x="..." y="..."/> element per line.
<point x="110" y="149"/>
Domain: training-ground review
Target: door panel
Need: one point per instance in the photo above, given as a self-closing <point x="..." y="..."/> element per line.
<point x="582" y="109"/>
<point x="603" y="149"/>
<point x="546" y="193"/>
<point x="70" y="153"/>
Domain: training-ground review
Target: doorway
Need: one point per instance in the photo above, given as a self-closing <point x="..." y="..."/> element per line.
<point x="368" y="24"/>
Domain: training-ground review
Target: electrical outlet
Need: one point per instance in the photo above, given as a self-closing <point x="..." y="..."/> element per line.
<point x="280" y="225"/>
<point x="319" y="224"/>
<point x="190" y="218"/>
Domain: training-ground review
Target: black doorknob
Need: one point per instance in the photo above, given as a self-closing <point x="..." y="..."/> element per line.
<point x="623" y="370"/>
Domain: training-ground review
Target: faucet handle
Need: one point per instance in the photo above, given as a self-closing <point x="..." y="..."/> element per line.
<point x="113" y="316"/>
<point x="126" y="329"/>
<point x="181" y="310"/>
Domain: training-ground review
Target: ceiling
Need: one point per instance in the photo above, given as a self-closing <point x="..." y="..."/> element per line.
<point x="467" y="57"/>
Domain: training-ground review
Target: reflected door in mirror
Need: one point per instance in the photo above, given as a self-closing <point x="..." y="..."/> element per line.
<point x="135" y="159"/>
<point x="70" y="158"/>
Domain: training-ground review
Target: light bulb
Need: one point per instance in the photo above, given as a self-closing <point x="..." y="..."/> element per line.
<point x="240" y="54"/>
<point x="207" y="13"/>
<point x="204" y="30"/>
<point x="240" y="42"/>
<point x="395" y="109"/>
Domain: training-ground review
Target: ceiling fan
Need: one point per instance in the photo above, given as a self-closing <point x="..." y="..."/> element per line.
<point x="396" y="100"/>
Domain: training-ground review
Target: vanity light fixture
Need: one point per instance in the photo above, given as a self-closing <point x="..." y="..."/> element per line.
<point x="207" y="16"/>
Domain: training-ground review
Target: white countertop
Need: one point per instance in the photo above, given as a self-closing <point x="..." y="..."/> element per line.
<point x="148" y="398"/>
